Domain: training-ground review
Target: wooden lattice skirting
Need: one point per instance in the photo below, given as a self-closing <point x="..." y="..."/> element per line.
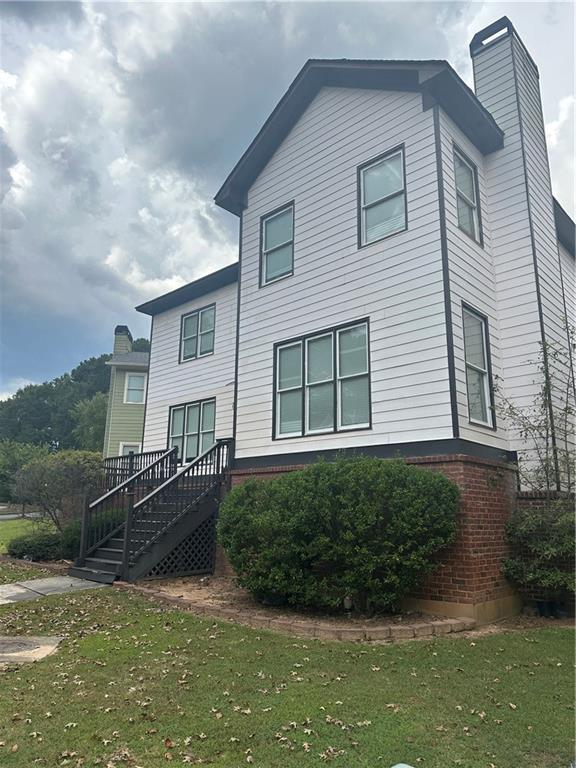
<point x="193" y="556"/>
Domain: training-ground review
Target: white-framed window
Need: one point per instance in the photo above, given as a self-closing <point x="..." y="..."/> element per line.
<point x="192" y="428"/>
<point x="135" y="388"/>
<point x="322" y="383"/>
<point x="477" y="368"/>
<point x="127" y="448"/>
<point x="197" y="333"/>
<point x="277" y="246"/>
<point x="382" y="197"/>
<point x="465" y="175"/>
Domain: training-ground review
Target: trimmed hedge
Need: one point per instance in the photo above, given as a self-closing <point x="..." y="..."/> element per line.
<point x="41" y="545"/>
<point x="360" y="531"/>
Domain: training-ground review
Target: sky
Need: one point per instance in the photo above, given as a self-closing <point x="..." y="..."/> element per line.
<point x="120" y="121"/>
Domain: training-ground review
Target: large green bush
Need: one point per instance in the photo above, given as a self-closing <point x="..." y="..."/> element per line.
<point x="542" y="547"/>
<point x="359" y="529"/>
<point x="41" y="545"/>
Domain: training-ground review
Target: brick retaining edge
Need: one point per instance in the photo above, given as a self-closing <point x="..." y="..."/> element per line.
<point x="304" y="628"/>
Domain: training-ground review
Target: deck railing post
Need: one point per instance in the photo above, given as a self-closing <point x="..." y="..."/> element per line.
<point x="127" y="533"/>
<point x="84" y="528"/>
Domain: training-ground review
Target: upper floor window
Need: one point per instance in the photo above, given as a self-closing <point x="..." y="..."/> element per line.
<point x="477" y="368"/>
<point x="197" y="333"/>
<point x="192" y="428"/>
<point x="382" y="197"/>
<point x="466" y="196"/>
<point x="322" y="383"/>
<point x="277" y="246"/>
<point x="135" y="388"/>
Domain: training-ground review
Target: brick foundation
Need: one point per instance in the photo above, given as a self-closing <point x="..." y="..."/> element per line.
<point x="468" y="580"/>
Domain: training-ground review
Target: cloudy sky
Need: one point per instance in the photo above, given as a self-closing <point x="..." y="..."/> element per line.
<point x="119" y="122"/>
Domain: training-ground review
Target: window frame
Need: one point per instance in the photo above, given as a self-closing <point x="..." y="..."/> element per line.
<point x="124" y="443"/>
<point x="488" y="380"/>
<point x="262" y="282"/>
<point x="183" y="318"/>
<point x="184" y="436"/>
<point x="399" y="149"/>
<point x="305" y="386"/>
<point x="477" y="216"/>
<point x="127" y="374"/>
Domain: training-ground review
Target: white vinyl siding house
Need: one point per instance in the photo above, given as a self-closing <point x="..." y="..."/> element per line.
<point x="396" y="282"/>
<point x="208" y="377"/>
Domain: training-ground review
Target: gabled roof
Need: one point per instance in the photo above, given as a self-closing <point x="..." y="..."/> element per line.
<point x="130" y="359"/>
<point x="190" y="291"/>
<point x="432" y="78"/>
<point x="565" y="227"/>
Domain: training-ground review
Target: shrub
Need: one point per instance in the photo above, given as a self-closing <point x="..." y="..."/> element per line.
<point x="41" y="545"/>
<point x="542" y="547"/>
<point x="363" y="529"/>
<point x="60" y="484"/>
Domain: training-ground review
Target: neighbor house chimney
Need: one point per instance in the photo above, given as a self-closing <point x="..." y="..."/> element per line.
<point x="523" y="232"/>
<point x="122" y="340"/>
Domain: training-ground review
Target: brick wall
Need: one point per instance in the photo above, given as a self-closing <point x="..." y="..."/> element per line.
<point x="470" y="570"/>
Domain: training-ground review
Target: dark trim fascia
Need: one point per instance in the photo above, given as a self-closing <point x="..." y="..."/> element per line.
<point x="148" y="380"/>
<point x="359" y="169"/>
<point x="191" y="291"/>
<point x="237" y="347"/>
<point x="422" y="448"/>
<point x="484" y="318"/>
<point x="183" y="317"/>
<point x="261" y="283"/>
<point x="457" y="149"/>
<point x="183" y="405"/>
<point x="536" y="276"/>
<point x="446" y="275"/>
<point x="302" y="340"/>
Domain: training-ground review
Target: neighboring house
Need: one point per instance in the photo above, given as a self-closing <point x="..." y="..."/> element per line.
<point x="126" y="398"/>
<point x="400" y="248"/>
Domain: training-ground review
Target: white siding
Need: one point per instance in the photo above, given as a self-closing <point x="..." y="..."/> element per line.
<point x="397" y="282"/>
<point x="171" y="382"/>
<point x="472" y="278"/>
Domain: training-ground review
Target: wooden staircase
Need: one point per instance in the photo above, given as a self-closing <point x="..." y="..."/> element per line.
<point x="133" y="528"/>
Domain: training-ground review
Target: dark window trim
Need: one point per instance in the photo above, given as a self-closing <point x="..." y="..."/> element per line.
<point x="182" y="319"/>
<point x="261" y="282"/>
<point x="456" y="149"/>
<point x="362" y="167"/>
<point x="302" y="339"/>
<point x="484" y="318"/>
<point x="184" y="405"/>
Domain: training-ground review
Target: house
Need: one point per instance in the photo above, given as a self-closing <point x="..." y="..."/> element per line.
<point x="400" y="253"/>
<point x="126" y="398"/>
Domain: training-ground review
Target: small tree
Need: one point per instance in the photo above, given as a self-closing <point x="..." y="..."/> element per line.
<point x="89" y="418"/>
<point x="13" y="456"/>
<point x="60" y="484"/>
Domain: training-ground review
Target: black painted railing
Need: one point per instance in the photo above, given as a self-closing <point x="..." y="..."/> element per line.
<point x="107" y="514"/>
<point x="117" y="469"/>
<point x="154" y="515"/>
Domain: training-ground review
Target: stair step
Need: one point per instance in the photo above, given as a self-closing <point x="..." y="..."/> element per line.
<point x="99" y="564"/>
<point x="109" y="553"/>
<point x="115" y="543"/>
<point x="91" y="575"/>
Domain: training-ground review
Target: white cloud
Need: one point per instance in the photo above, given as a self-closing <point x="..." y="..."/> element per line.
<point x="11" y="386"/>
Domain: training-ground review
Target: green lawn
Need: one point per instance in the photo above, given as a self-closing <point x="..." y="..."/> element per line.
<point x="10" y="572"/>
<point x="139" y="685"/>
<point x="10" y="529"/>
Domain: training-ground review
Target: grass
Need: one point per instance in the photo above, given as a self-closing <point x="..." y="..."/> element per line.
<point x="11" y="572"/>
<point x="10" y="529"/>
<point x="136" y="684"/>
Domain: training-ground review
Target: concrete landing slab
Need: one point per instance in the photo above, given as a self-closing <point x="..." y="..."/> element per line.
<point x="51" y="585"/>
<point x="22" y="649"/>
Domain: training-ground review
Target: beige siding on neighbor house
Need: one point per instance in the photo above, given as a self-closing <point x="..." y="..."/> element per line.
<point x="172" y="383"/>
<point x="125" y="421"/>
<point x="396" y="283"/>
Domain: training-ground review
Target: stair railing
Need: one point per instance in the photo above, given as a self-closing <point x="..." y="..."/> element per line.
<point x="108" y="514"/>
<point x="117" y="469"/>
<point x="151" y="517"/>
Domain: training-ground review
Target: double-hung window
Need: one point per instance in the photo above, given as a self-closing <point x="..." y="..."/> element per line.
<point x="466" y="196"/>
<point x="197" y="333"/>
<point x="382" y="197"/>
<point x="135" y="388"/>
<point x="277" y="258"/>
<point x="192" y="428"/>
<point x="322" y="383"/>
<point x="477" y="368"/>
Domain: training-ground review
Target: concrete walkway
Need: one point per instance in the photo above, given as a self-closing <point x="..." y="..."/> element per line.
<point x="52" y="585"/>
